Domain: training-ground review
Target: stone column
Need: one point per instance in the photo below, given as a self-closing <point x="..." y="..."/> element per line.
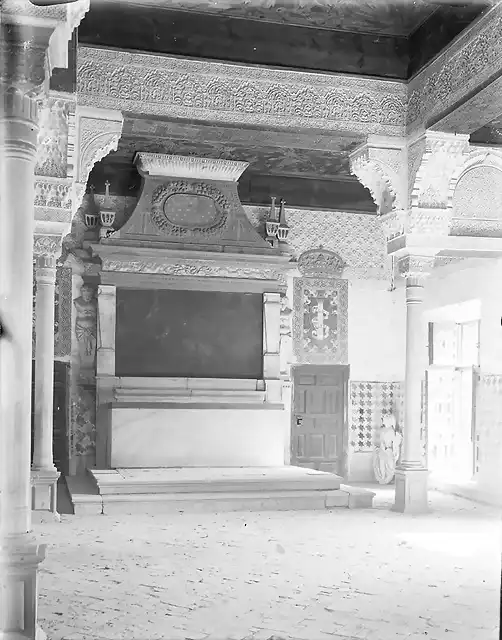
<point x="411" y="475"/>
<point x="44" y="473"/>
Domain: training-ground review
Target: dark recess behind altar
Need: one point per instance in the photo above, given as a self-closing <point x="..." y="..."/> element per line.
<point x="195" y="334"/>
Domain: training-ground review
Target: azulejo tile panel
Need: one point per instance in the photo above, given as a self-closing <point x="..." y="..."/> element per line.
<point x="320" y="320"/>
<point x="368" y="403"/>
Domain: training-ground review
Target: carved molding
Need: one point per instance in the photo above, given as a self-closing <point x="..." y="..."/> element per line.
<point x="321" y="263"/>
<point x="192" y="268"/>
<point x="221" y="92"/>
<point x="162" y="221"/>
<point x="466" y="65"/>
<point x="158" y="164"/>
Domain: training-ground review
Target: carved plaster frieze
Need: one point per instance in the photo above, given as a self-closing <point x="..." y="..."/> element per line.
<point x="466" y="65"/>
<point x="53" y="199"/>
<point x="221" y="92"/>
<point x="98" y="133"/>
<point x="193" y="268"/>
<point x="321" y="263"/>
<point x="158" y="164"/>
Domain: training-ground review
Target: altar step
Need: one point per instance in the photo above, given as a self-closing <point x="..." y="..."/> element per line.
<point x="151" y="491"/>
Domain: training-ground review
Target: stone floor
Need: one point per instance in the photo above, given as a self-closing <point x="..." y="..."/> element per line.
<point x="343" y="575"/>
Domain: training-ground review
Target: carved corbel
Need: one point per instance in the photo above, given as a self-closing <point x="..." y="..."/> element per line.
<point x="380" y="165"/>
<point x="438" y="157"/>
<point x="98" y="133"/>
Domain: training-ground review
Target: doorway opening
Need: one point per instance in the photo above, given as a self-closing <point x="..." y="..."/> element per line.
<point x="451" y="384"/>
<point x="319" y="429"/>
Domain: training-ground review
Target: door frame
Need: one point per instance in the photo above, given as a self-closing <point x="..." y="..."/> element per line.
<point x="314" y="369"/>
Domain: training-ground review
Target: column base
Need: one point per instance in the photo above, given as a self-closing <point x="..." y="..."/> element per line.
<point x="44" y="489"/>
<point x="20" y="557"/>
<point x="411" y="490"/>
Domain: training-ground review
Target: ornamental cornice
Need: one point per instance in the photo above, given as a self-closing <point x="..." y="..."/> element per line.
<point x="222" y="92"/>
<point x="169" y="166"/>
<point x="467" y="64"/>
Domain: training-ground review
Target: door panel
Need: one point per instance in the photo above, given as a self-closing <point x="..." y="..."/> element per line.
<point x="319" y="417"/>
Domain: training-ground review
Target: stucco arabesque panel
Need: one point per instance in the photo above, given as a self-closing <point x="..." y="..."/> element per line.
<point x="472" y="60"/>
<point x="220" y="92"/>
<point x="307" y="348"/>
<point x="357" y="238"/>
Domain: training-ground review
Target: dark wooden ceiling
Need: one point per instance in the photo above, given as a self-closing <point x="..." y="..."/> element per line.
<point x="387" y="39"/>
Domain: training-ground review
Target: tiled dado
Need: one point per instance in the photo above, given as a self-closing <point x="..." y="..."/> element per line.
<point x="489" y="423"/>
<point x="369" y="402"/>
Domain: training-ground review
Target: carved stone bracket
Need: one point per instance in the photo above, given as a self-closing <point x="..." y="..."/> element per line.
<point x="380" y="165"/>
<point x="98" y="132"/>
<point x="321" y="263"/>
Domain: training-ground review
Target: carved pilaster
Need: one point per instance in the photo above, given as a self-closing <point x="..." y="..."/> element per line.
<point x="98" y="133"/>
<point x="106" y="330"/>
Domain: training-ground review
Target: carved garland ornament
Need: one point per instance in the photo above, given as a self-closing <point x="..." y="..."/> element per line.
<point x="162" y="194"/>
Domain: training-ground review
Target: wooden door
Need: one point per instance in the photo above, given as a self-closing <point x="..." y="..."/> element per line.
<point x="319" y="417"/>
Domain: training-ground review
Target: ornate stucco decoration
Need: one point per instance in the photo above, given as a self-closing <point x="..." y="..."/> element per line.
<point x="473" y="59"/>
<point x="439" y="156"/>
<point x="158" y="164"/>
<point x="320" y="320"/>
<point x="475" y="190"/>
<point x="221" y="92"/>
<point x="98" y="133"/>
<point x="321" y="263"/>
<point x="207" y="223"/>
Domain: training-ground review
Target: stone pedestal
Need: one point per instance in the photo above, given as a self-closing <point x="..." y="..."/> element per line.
<point x="411" y="476"/>
<point x="44" y="473"/>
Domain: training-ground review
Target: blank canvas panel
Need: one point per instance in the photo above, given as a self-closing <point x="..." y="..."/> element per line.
<point x="195" y="334"/>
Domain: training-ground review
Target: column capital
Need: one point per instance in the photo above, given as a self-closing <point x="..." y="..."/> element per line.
<point x="46" y="249"/>
<point x="415" y="269"/>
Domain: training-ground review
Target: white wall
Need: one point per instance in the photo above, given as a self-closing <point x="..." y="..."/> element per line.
<point x="377" y="326"/>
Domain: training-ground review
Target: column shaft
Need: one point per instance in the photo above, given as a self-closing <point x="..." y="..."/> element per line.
<point x="44" y="364"/>
<point x="412" y="448"/>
